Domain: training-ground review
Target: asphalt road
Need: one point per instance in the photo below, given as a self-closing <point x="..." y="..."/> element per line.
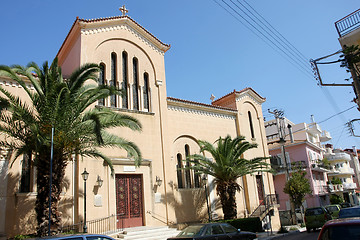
<point x="301" y="236"/>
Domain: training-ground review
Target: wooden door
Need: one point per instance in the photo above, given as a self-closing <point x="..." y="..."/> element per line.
<point x="260" y="187"/>
<point x="129" y="200"/>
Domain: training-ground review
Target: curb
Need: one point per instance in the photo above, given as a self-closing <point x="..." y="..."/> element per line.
<point x="278" y="235"/>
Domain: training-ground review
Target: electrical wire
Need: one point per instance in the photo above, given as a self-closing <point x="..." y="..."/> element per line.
<point x="266" y="39"/>
<point x="276" y="41"/>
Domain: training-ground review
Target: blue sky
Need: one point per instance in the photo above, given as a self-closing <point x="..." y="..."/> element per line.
<point x="211" y="52"/>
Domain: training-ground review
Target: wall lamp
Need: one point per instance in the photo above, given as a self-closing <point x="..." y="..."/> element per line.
<point x="158" y="181"/>
<point x="99" y="181"/>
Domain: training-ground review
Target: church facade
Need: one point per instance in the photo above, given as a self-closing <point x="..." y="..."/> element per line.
<point x="158" y="192"/>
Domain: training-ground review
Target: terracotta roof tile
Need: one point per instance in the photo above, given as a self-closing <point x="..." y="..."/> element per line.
<point x="200" y="104"/>
<point x="238" y="92"/>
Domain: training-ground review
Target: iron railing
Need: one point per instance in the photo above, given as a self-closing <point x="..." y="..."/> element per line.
<point x="113" y="223"/>
<point x="265" y="206"/>
<point x="348" y="23"/>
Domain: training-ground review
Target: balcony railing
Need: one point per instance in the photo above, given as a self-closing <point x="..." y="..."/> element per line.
<point x="322" y="189"/>
<point x="349" y="185"/>
<point x="341" y="171"/>
<point x="314" y="129"/>
<point x="335" y="187"/>
<point x="338" y="156"/>
<point x="325" y="136"/>
<point x="348" y="24"/>
<point x="320" y="167"/>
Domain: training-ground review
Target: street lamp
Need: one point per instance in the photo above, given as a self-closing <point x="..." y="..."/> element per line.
<point x="204" y="180"/>
<point x="85" y="176"/>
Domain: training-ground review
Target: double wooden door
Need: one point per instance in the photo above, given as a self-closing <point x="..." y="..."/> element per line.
<point x="129" y="200"/>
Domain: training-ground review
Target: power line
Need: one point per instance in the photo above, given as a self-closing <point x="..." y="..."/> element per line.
<point x="304" y="57"/>
<point x="273" y="35"/>
<point x="275" y="40"/>
<point x="268" y="41"/>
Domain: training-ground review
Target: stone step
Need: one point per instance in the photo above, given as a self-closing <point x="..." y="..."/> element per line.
<point x="145" y="232"/>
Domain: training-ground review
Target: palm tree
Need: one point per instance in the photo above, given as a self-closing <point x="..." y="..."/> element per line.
<point x="64" y="105"/>
<point x="226" y="167"/>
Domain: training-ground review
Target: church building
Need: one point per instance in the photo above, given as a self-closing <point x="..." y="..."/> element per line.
<point x="159" y="192"/>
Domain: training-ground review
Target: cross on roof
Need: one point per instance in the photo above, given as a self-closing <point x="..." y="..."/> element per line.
<point x="123" y="10"/>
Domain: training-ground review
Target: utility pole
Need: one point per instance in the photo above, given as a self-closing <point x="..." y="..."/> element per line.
<point x="280" y="124"/>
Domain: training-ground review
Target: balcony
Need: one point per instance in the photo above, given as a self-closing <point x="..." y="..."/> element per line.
<point x="322" y="189"/>
<point x="314" y="129"/>
<point x="349" y="186"/>
<point x="341" y="171"/>
<point x="339" y="156"/>
<point x="348" y="24"/>
<point x="335" y="188"/>
<point x="325" y="136"/>
<point x="320" y="167"/>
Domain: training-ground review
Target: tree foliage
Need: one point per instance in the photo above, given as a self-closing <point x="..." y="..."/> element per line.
<point x="351" y="59"/>
<point x="226" y="166"/>
<point x="64" y="105"/>
<point x="297" y="187"/>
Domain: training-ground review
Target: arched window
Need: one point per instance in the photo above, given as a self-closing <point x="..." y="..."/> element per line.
<point x="101" y="81"/>
<point x="179" y="171"/>
<point x="251" y="125"/>
<point x="146" y="92"/>
<point x="124" y="83"/>
<point x="113" y="81"/>
<point x="135" y="84"/>
<point x="187" y="171"/>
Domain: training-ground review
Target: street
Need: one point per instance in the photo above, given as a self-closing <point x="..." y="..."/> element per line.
<point x="301" y="236"/>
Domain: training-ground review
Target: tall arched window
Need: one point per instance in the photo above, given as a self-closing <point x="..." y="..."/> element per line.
<point x="251" y="125"/>
<point x="187" y="171"/>
<point x="124" y="83"/>
<point x="146" y="92"/>
<point x="101" y="81"/>
<point x="135" y="84"/>
<point x="179" y="171"/>
<point x="113" y="81"/>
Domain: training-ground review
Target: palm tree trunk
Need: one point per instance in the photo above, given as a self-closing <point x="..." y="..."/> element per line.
<point x="228" y="201"/>
<point x="43" y="190"/>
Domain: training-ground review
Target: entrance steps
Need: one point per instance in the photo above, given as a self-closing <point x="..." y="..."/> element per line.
<point x="147" y="233"/>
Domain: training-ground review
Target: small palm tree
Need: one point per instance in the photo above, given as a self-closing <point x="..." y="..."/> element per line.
<point x="65" y="106"/>
<point x="226" y="167"/>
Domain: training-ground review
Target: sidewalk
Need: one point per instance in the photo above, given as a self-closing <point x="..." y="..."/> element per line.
<point x="268" y="235"/>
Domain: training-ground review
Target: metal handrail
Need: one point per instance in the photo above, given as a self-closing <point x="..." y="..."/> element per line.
<point x="107" y="225"/>
<point x="348" y="23"/>
<point x="270" y="201"/>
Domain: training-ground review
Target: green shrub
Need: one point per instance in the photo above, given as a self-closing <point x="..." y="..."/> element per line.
<point x="21" y="237"/>
<point x="336" y="199"/>
<point x="252" y="224"/>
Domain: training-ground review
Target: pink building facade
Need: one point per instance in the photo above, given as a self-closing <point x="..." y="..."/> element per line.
<point x="329" y="171"/>
<point x="303" y="146"/>
<point x="302" y="153"/>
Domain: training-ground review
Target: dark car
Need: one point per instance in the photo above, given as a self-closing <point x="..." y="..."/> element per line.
<point x="345" y="228"/>
<point x="213" y="231"/>
<point x="334" y="210"/>
<point x="349" y="212"/>
<point x="78" y="237"/>
<point x="316" y="217"/>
